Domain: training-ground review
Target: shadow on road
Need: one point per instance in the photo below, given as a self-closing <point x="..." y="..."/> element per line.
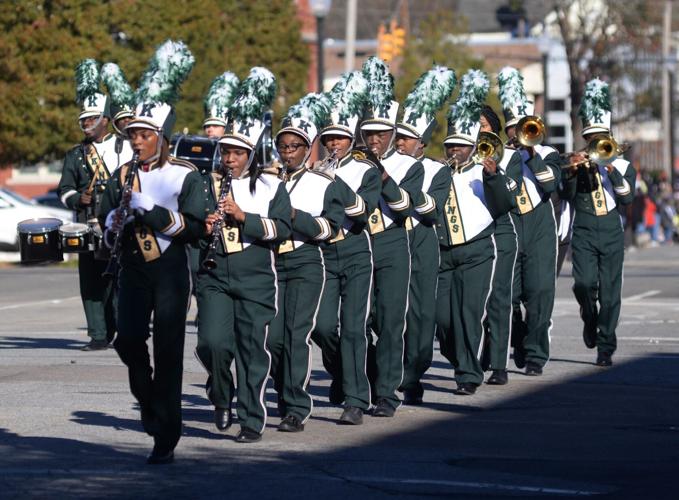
<point x="40" y="343"/>
<point x="612" y="433"/>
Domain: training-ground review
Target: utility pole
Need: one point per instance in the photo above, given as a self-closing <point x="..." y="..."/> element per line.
<point x="350" y="36"/>
<point x="668" y="161"/>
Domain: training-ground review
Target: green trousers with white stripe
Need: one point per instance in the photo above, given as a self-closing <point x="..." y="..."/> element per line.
<point x="236" y="302"/>
<point x="98" y="297"/>
<point x="598" y="254"/>
<point x="465" y="277"/>
<point x="300" y="286"/>
<point x="421" y="317"/>
<point x="342" y="316"/>
<point x="499" y="318"/>
<point x="535" y="278"/>
<point x="391" y="259"/>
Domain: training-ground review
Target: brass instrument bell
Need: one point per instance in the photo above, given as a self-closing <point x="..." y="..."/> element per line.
<point x="530" y="131"/>
<point x="488" y="145"/>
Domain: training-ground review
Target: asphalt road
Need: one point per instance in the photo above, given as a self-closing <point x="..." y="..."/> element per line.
<point x="70" y="428"/>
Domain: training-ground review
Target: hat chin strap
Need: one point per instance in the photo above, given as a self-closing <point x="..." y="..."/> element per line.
<point x="91" y="128"/>
<point x="159" y="148"/>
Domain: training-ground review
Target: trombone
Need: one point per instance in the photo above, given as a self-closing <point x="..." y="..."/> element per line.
<point x="488" y="145"/>
<point x="530" y="131"/>
<point x="601" y="150"/>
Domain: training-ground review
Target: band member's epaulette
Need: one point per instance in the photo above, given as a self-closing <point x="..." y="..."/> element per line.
<point x="323" y="174"/>
<point x="360" y="156"/>
<point x="181" y="163"/>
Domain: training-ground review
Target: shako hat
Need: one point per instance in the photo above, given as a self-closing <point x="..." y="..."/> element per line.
<point x="348" y="98"/>
<point x="515" y="104"/>
<point x="431" y="90"/>
<point x="119" y="91"/>
<point x="463" y="116"/>
<point x="159" y="88"/>
<point x="307" y="118"/>
<point x="595" y="109"/>
<point x="219" y="98"/>
<point x="87" y="94"/>
<point x="245" y="125"/>
<point x="382" y="109"/>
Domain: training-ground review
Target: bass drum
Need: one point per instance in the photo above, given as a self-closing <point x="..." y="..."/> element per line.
<point x="76" y="238"/>
<point x="39" y="240"/>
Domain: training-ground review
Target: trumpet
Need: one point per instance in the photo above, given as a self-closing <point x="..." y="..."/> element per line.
<point x="488" y="145"/>
<point x="530" y="131"/>
<point x="328" y="164"/>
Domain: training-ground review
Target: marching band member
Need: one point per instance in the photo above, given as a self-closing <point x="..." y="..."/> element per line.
<point x="499" y="319"/>
<point x="87" y="168"/>
<point x="317" y="213"/>
<point x="122" y="103"/>
<point x="412" y="134"/>
<point x="596" y="186"/>
<point x="237" y="281"/>
<point x="478" y="194"/>
<point x="343" y="311"/>
<point x="166" y="213"/>
<point x="402" y="178"/>
<point x="535" y="270"/>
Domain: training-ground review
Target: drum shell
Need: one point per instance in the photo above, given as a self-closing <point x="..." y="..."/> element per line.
<point x="76" y="238"/>
<point x="39" y="244"/>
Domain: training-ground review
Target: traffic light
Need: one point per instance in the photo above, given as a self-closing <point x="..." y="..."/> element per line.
<point x="398" y="39"/>
<point x="384" y="44"/>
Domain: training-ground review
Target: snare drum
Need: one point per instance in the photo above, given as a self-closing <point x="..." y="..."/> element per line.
<point x="76" y="238"/>
<point x="39" y="240"/>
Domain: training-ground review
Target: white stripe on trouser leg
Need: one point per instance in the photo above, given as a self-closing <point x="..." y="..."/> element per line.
<point x="511" y="287"/>
<point x="367" y="314"/>
<point x="405" y="314"/>
<point x="556" y="263"/>
<point x="485" y="302"/>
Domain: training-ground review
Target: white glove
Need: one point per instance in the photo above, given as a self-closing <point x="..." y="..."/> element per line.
<point x="111" y="215"/>
<point x="141" y="201"/>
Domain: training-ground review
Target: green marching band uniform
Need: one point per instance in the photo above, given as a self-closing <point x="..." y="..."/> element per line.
<point x="402" y="177"/>
<point x="340" y="329"/>
<point x="343" y="311"/>
<point x="497" y="326"/>
<point x="237" y="298"/>
<point x="465" y="231"/>
<point x="216" y="104"/>
<point x="165" y="213"/>
<point x="318" y="211"/>
<point x="87" y="168"/>
<point x="596" y="190"/>
<point x="535" y="271"/>
<point x="430" y="93"/>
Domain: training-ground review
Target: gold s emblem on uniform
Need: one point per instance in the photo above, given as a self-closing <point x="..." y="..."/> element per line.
<point x="523" y="201"/>
<point x="376" y="222"/>
<point x="146" y="238"/>
<point x="409" y="223"/>
<point x="231" y="239"/>
<point x="338" y="237"/>
<point x="286" y="246"/>
<point x="599" y="198"/>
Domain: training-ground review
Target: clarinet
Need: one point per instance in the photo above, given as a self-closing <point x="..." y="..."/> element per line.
<point x="121" y="213"/>
<point x="210" y="261"/>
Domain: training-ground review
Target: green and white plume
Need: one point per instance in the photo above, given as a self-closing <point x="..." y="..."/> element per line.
<point x="510" y="85"/>
<point x="313" y="108"/>
<point x="349" y="95"/>
<point x="86" y="79"/>
<point x="474" y="88"/>
<point x="255" y="95"/>
<point x="380" y="82"/>
<point x="122" y="95"/>
<point x="431" y="90"/>
<point x="221" y="95"/>
<point x="596" y="99"/>
<point x="166" y="71"/>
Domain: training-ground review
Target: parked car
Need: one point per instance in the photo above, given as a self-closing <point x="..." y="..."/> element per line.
<point x="50" y="199"/>
<point x="14" y="208"/>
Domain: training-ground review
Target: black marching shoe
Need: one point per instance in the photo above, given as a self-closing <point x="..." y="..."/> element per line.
<point x="95" y="345"/>
<point x="336" y="393"/>
<point x="351" y="415"/>
<point x="247" y="435"/>
<point x="383" y="408"/>
<point x="413" y="397"/>
<point x="589" y="331"/>
<point x="533" y="369"/>
<point x="604" y="359"/>
<point x="160" y="455"/>
<point x="498" y="377"/>
<point x="223" y="419"/>
<point x="465" y="389"/>
<point x="291" y="424"/>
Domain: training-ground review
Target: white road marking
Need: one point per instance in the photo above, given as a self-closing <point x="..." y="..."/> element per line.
<point x="37" y="303"/>
<point x="640" y="296"/>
